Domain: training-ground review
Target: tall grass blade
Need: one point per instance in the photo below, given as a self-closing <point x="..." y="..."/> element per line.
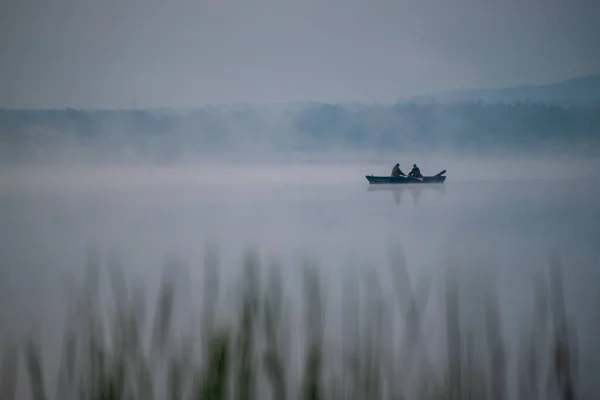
<point x="10" y="372"/>
<point x="272" y="356"/>
<point x="453" y="337"/>
<point x="165" y="307"/>
<point x="351" y="333"/>
<point x="497" y="356"/>
<point x="312" y="384"/>
<point x="210" y="290"/>
<point x="67" y="366"/>
<point x="562" y="353"/>
<point x="33" y="362"/>
<point x="245" y="374"/>
<point x="214" y="380"/>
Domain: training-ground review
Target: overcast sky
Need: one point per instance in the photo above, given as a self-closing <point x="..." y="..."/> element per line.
<point x="150" y="53"/>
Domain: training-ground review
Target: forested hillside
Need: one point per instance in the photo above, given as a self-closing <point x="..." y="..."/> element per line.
<point x="166" y="135"/>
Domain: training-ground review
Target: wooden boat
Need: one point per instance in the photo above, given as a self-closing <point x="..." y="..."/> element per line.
<point x="438" y="178"/>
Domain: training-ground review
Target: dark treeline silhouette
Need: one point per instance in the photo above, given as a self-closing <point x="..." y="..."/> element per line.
<point x="167" y="134"/>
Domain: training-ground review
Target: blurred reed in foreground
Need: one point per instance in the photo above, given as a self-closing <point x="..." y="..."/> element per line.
<point x="373" y="347"/>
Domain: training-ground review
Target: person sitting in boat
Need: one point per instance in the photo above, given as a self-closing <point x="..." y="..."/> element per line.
<point x="396" y="171"/>
<point x="415" y="172"/>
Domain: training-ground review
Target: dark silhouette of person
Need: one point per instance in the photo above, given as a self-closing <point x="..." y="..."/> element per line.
<point x="415" y="172"/>
<point x="396" y="171"/>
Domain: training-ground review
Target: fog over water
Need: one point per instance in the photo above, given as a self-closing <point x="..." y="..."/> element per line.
<point x="507" y="214"/>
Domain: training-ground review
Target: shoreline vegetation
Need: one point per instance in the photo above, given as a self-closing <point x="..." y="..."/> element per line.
<point x="169" y="136"/>
<point x="269" y="345"/>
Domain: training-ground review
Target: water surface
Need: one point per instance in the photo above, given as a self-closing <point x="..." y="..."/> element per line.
<point x="510" y="222"/>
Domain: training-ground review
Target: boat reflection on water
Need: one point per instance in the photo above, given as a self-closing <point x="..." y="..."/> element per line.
<point x="414" y="190"/>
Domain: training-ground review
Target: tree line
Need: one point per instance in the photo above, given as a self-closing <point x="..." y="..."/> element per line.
<point x="304" y="127"/>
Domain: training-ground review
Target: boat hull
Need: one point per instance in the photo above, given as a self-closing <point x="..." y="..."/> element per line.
<point x="404" y="179"/>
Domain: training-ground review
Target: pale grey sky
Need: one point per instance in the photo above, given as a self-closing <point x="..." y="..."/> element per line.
<point x="150" y="53"/>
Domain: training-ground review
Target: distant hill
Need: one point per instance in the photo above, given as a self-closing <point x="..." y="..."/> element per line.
<point x="577" y="91"/>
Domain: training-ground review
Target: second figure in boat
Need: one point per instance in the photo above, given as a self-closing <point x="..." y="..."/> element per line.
<point x="415" y="172"/>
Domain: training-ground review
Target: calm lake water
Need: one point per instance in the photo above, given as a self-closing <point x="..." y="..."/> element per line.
<point x="509" y="221"/>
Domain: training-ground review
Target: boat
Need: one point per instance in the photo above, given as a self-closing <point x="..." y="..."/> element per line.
<point x="438" y="178"/>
